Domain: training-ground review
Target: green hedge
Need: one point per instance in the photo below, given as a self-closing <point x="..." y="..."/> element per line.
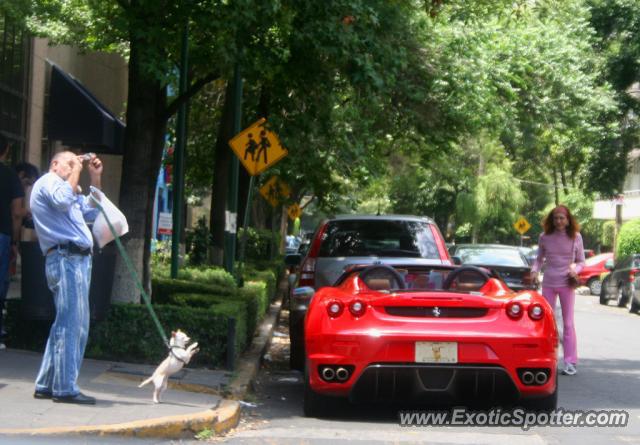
<point x="128" y="333"/>
<point x="629" y="239"/>
<point x="200" y="306"/>
<point x="608" y="233"/>
<point x="163" y="288"/>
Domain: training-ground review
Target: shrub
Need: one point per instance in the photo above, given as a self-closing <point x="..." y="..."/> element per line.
<point x="164" y="288"/>
<point x="256" y="298"/>
<point x="129" y="334"/>
<point x="608" y="233"/>
<point x="208" y="275"/>
<point x="629" y="239"/>
<point x="259" y="243"/>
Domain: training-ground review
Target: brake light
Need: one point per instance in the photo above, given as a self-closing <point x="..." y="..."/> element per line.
<point x="632" y="275"/>
<point x="514" y="310"/>
<point x="308" y="269"/>
<point x="357" y="308"/>
<point x="536" y="312"/>
<point x="308" y="272"/>
<point x="335" y="308"/>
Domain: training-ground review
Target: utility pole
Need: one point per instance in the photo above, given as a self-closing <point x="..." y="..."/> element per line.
<point x="178" y="157"/>
<point x="231" y="214"/>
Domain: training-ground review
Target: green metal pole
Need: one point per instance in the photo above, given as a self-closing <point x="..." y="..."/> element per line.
<point x="178" y="158"/>
<point x="245" y="226"/>
<point x="231" y="213"/>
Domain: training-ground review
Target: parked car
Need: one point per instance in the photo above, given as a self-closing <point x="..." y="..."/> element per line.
<point x="342" y="242"/>
<point x="590" y="275"/>
<point x="423" y="334"/>
<point x="508" y="261"/>
<point x="634" y="300"/>
<point x="619" y="284"/>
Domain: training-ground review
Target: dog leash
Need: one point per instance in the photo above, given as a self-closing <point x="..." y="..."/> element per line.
<point x="134" y="274"/>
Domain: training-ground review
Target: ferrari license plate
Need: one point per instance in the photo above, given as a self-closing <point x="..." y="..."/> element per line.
<point x="436" y="352"/>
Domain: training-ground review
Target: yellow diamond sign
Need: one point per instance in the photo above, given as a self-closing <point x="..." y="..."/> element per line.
<point x="257" y="147"/>
<point x="275" y="190"/>
<point x="294" y="211"/>
<point x="522" y="225"/>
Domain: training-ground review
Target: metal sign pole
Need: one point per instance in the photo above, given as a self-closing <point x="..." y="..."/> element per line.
<point x="232" y="195"/>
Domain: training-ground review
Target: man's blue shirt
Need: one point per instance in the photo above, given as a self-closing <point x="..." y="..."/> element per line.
<point x="59" y="214"/>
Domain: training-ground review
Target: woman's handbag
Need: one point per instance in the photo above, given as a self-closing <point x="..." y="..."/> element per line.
<point x="573" y="282"/>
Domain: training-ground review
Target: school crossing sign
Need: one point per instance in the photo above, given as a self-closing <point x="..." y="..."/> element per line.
<point x="257" y="147"/>
<point x="522" y="226"/>
<point x="275" y="190"/>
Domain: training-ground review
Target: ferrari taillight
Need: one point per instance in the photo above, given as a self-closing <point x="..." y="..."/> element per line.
<point x="335" y="308"/>
<point x="514" y="310"/>
<point x="536" y="312"/>
<point x="357" y="308"/>
<point x="632" y="275"/>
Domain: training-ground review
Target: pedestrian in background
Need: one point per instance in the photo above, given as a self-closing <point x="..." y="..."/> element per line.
<point x="28" y="174"/>
<point x="60" y="213"/>
<point x="561" y="250"/>
<point x="11" y="203"/>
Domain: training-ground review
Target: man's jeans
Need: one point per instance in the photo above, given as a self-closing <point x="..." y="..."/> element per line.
<point x="68" y="277"/>
<point x="5" y="257"/>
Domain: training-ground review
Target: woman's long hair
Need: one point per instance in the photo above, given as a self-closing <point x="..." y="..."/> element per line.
<point x="572" y="228"/>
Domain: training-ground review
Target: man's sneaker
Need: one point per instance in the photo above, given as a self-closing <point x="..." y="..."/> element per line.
<point x="2" y="346"/>
<point x="570" y="369"/>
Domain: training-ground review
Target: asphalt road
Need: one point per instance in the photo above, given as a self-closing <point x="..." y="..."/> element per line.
<point x="608" y="379"/>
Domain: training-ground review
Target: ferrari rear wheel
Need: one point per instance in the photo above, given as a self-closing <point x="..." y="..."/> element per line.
<point x="314" y="404"/>
<point x="545" y="404"/>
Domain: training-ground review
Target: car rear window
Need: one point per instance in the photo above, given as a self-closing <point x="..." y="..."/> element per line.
<point x="491" y="257"/>
<point x="379" y="238"/>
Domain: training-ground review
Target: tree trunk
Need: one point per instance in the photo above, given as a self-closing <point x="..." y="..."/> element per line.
<point x="563" y="178"/>
<point x="221" y="179"/>
<point x="144" y="142"/>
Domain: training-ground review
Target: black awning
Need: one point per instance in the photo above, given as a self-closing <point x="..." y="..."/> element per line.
<point x="78" y="119"/>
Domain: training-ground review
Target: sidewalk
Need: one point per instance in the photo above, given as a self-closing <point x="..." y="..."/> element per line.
<point x="193" y="402"/>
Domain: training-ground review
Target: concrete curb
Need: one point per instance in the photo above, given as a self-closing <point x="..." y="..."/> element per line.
<point x="221" y="419"/>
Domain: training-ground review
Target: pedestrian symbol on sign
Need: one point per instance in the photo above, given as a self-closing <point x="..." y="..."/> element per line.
<point x="257" y="147"/>
<point x="522" y="225"/>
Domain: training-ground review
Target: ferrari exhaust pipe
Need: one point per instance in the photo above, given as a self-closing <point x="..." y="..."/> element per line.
<point x="342" y="374"/>
<point x="528" y="377"/>
<point x="541" y="377"/>
<point x="328" y="374"/>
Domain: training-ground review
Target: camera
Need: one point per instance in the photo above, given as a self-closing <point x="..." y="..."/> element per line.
<point x="87" y="156"/>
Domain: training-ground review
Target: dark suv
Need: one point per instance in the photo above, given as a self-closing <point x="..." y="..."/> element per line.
<point x="349" y="240"/>
<point x="619" y="284"/>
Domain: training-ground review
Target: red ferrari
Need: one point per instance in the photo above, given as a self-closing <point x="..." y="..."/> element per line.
<point x="429" y="335"/>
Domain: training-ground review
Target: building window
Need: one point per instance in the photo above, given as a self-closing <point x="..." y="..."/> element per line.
<point x="14" y="68"/>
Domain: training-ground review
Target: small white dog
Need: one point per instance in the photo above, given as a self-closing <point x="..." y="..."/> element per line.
<point x="179" y="355"/>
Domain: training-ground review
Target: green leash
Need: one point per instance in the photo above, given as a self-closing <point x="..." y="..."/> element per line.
<point x="133" y="273"/>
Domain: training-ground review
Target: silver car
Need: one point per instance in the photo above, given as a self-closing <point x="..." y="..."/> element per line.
<point x="349" y="240"/>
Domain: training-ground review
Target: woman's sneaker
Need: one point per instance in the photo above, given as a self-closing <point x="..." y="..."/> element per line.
<point x="570" y="369"/>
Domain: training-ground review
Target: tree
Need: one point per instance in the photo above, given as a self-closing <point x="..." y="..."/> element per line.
<point x="148" y="34"/>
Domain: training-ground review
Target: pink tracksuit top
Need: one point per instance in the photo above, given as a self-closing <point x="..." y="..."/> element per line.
<point x="556" y="249"/>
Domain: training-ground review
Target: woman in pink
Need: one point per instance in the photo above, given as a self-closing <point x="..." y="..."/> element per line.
<point x="561" y="246"/>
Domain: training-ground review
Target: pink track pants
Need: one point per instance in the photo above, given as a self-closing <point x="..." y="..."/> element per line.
<point x="567" y="302"/>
